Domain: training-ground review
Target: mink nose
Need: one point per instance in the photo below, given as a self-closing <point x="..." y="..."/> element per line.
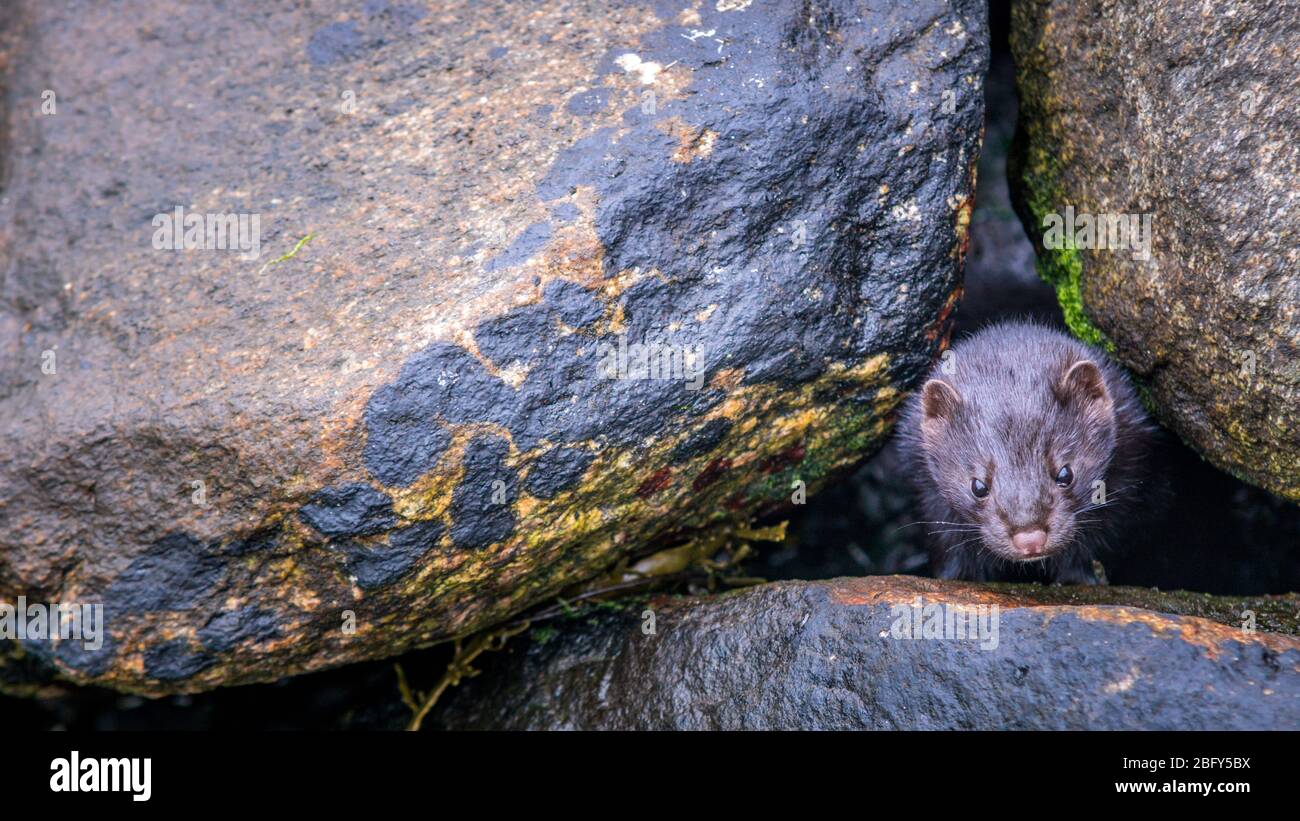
<point x="1029" y="542"/>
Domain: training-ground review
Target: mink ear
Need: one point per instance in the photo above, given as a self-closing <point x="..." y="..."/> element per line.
<point x="939" y="404"/>
<point x="1084" y="387"/>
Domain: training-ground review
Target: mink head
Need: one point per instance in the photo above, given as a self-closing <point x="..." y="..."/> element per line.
<point x="1020" y="467"/>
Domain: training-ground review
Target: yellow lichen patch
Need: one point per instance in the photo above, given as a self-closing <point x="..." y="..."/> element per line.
<point x="692" y="143"/>
<point x="963" y="205"/>
<point x="727" y="379"/>
<point x="576" y="541"/>
<point x="430" y="495"/>
<point x="574" y="252"/>
<point x="866" y="371"/>
<point x="616" y="285"/>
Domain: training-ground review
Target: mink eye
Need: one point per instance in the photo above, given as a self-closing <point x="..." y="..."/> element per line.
<point x="1064" y="476"/>
<point x="979" y="488"/>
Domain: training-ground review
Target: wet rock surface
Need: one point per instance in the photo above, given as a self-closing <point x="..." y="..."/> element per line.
<point x="395" y="414"/>
<point x="1190" y="119"/>
<point x="827" y="655"/>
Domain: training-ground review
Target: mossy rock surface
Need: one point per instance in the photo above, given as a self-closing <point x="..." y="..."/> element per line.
<point x="395" y="418"/>
<point x="875" y="653"/>
<point x="1160" y="109"/>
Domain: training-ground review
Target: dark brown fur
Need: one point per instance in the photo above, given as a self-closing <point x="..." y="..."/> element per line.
<point x="1010" y="406"/>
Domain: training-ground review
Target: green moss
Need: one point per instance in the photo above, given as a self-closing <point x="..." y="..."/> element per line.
<point x="571" y="611"/>
<point x="854" y="436"/>
<point x="1061" y="268"/>
<point x="1035" y="173"/>
<point x="543" y="635"/>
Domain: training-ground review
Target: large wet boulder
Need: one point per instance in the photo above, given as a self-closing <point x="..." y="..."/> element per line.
<point x="396" y="424"/>
<point x="900" y="652"/>
<point x="1184" y="124"/>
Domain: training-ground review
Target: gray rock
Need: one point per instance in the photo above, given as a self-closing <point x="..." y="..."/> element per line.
<point x="457" y="209"/>
<point x="826" y="656"/>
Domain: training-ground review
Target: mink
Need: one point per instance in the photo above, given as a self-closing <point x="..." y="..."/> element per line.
<point x="1029" y="452"/>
